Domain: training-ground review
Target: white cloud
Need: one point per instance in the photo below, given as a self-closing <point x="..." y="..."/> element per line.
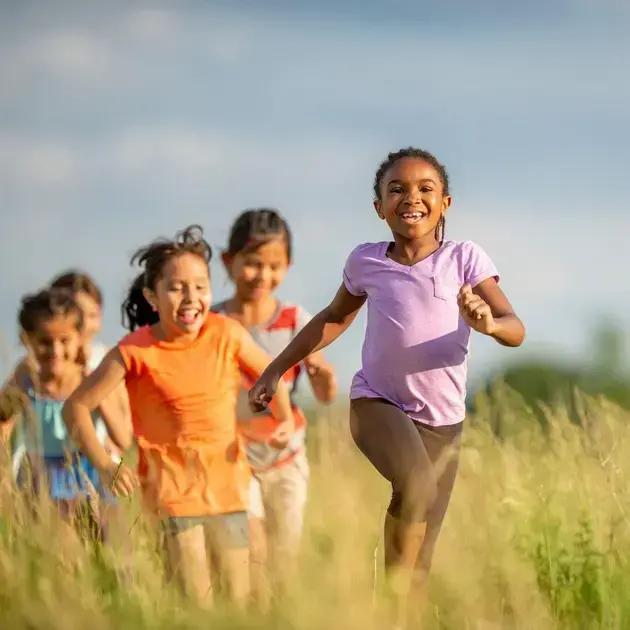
<point x="119" y="48"/>
<point x="206" y="154"/>
<point x="151" y="24"/>
<point x="71" y="54"/>
<point x="212" y="112"/>
<point x="75" y="54"/>
<point x="222" y="37"/>
<point x="166" y="150"/>
<point x="25" y="162"/>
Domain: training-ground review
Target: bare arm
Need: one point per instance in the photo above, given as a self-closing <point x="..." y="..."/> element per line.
<point x="486" y="309"/>
<point x="13" y="401"/>
<point x="255" y="359"/>
<point x="117" y="417"/>
<point x="321" y="331"/>
<point x="93" y="390"/>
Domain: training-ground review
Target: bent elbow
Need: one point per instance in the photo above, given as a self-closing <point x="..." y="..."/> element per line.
<point x="518" y="339"/>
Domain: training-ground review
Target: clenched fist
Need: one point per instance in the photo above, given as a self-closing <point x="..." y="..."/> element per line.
<point x="475" y="311"/>
<point x="264" y="389"/>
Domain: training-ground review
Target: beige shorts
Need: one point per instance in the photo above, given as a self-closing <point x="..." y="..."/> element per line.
<point x="279" y="496"/>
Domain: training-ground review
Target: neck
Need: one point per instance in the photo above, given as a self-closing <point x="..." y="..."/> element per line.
<point x="411" y="251"/>
<point x="60" y="384"/>
<point x="252" y="312"/>
<point x="163" y="334"/>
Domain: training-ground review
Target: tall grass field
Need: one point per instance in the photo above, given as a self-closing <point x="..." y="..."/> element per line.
<point x="537" y="536"/>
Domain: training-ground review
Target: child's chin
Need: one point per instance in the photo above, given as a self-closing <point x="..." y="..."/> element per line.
<point x="54" y="370"/>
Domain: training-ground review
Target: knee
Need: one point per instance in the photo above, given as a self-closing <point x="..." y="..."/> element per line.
<point x="413" y="495"/>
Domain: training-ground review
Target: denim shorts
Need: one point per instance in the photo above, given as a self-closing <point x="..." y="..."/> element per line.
<point x="66" y="478"/>
<point x="229" y="530"/>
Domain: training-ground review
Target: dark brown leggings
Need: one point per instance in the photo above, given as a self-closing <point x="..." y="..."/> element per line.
<point x="419" y="461"/>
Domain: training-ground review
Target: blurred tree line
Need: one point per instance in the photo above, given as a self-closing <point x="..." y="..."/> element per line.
<point x="545" y="382"/>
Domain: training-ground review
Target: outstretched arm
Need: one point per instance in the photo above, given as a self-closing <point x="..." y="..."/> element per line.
<point x="486" y="309"/>
<point x="77" y="415"/>
<point x="254" y="359"/>
<point x="321" y="331"/>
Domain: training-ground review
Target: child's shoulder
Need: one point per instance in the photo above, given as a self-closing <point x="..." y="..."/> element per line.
<point x="218" y="323"/>
<point x="464" y="247"/>
<point x="366" y="250"/>
<point x="472" y="260"/>
<point x="289" y="316"/>
<point x="22" y="374"/>
<point x="140" y="338"/>
<point x="464" y="251"/>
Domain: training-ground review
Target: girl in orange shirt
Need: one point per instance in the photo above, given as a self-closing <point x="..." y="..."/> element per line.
<point x="181" y="365"/>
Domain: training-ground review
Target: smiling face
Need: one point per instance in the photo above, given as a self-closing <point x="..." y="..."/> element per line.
<point x="55" y="344"/>
<point x="182" y="295"/>
<point x="256" y="273"/>
<point x="412" y="199"/>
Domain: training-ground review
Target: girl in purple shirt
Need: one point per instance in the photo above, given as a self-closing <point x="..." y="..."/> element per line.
<point x="424" y="295"/>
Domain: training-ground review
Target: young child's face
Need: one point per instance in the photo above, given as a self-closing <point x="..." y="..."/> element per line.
<point x="55" y="344"/>
<point x="92" y="314"/>
<point x="257" y="273"/>
<point x="182" y="294"/>
<point x="412" y="198"/>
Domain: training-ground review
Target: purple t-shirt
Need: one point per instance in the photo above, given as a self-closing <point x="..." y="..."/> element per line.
<point x="416" y="344"/>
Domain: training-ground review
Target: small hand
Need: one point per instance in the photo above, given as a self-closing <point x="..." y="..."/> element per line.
<point x="120" y="479"/>
<point x="281" y="436"/>
<point x="263" y="391"/>
<point x="319" y="369"/>
<point x="475" y="311"/>
<point x="322" y="377"/>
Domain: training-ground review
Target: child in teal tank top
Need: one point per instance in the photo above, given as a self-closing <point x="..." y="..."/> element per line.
<point x="50" y="451"/>
<point x="32" y="400"/>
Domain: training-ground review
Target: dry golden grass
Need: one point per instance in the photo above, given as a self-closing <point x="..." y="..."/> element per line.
<point x="537" y="536"/>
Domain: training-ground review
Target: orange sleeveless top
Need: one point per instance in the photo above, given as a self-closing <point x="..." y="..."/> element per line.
<point x="183" y="399"/>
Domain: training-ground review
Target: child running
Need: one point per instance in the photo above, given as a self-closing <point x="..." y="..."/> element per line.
<point x="90" y="299"/>
<point x="51" y="325"/>
<point x="257" y="259"/>
<point x="181" y="365"/>
<point x="424" y="295"/>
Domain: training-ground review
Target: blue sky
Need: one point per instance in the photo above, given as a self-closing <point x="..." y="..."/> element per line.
<point x="120" y="122"/>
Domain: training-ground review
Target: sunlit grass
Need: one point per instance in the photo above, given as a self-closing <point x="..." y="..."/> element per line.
<point x="537" y="536"/>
